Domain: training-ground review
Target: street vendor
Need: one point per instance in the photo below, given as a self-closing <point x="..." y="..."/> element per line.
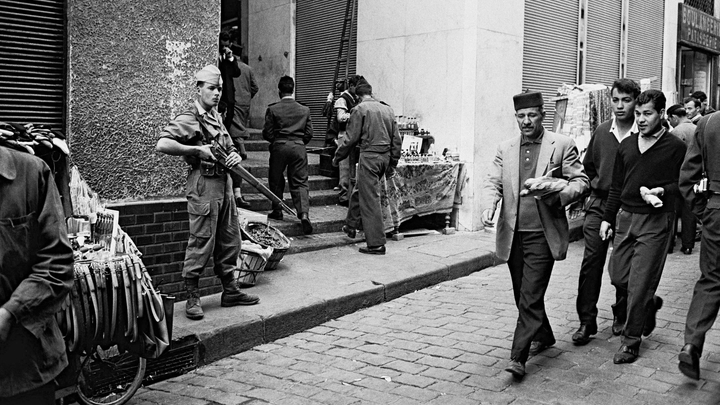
<point x="212" y="213"/>
<point x="36" y="274"/>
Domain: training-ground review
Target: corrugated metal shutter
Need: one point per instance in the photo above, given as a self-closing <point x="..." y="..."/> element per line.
<point x="32" y="62"/>
<point x="645" y="40"/>
<point x="319" y="25"/>
<point x="550" y="48"/>
<point x="604" y="19"/>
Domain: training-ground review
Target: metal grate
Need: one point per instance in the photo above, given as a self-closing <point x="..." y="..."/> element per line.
<point x="706" y="6"/>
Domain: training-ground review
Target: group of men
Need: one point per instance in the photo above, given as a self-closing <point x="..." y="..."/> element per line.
<point x="630" y="180"/>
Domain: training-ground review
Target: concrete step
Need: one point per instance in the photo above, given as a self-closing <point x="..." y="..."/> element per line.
<point x="315" y="182"/>
<point x="258" y="162"/>
<point x="256" y="145"/>
<point x="325" y="219"/>
<point x="259" y="202"/>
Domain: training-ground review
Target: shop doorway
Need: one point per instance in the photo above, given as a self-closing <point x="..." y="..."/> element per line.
<point x="698" y="71"/>
<point x="234" y="14"/>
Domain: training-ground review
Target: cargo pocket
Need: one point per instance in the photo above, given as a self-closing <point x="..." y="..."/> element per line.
<point x="199" y="218"/>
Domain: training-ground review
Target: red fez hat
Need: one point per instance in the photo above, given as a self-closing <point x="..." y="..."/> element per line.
<point x="528" y="100"/>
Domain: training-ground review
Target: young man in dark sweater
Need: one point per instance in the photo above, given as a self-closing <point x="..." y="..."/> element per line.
<point x="599" y="162"/>
<point x="640" y="208"/>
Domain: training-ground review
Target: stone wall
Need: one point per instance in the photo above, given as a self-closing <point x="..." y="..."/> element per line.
<point x="130" y="71"/>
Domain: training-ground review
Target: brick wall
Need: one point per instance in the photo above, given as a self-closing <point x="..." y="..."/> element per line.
<point x="160" y="231"/>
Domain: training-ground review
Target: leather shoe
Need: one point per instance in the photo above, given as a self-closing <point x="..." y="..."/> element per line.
<point x="276" y="214"/>
<point x="242" y="203"/>
<point x="350" y="232"/>
<point x="306" y="224"/>
<point x="582" y="336"/>
<point x="686" y="251"/>
<point x="516" y="368"/>
<point x="618" y="324"/>
<point x="373" y="250"/>
<point x="626" y="354"/>
<point x="650" y="319"/>
<point x="689" y="361"/>
<point x="537" y="347"/>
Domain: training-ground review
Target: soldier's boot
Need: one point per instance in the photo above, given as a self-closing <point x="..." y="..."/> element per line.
<point x="232" y="295"/>
<point x="193" y="308"/>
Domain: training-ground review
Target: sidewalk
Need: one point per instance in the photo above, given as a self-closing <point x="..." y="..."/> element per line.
<point x="310" y="288"/>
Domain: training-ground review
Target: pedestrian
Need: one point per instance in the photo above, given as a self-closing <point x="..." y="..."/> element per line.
<point x="703" y="157"/>
<point x="641" y="210"/>
<point x="214" y="231"/>
<point x="230" y="70"/>
<point x="288" y="128"/>
<point x="372" y="126"/>
<point x="598" y="163"/>
<point x="36" y="274"/>
<point x="685" y="130"/>
<point x="692" y="108"/>
<point x="705" y="108"/>
<point x="343" y="106"/>
<point x="532" y="230"/>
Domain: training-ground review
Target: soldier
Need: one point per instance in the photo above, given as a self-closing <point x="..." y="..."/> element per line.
<point x="214" y="230"/>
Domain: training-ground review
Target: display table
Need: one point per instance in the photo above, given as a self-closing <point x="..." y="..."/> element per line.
<point x="421" y="189"/>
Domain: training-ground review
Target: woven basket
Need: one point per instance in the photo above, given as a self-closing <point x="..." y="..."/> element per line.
<point x="278" y="251"/>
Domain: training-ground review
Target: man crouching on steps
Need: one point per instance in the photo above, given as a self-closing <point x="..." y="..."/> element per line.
<point x="213" y="217"/>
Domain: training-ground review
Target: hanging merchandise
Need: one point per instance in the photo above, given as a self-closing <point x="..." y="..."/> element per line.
<point x="579" y="110"/>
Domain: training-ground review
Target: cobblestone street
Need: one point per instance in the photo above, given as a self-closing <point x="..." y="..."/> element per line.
<point x="448" y="344"/>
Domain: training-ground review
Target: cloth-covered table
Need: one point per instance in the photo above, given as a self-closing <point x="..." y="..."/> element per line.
<point x="421" y="189"/>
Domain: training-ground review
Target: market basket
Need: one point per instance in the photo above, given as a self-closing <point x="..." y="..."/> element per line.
<point x="251" y="264"/>
<point x="267" y="236"/>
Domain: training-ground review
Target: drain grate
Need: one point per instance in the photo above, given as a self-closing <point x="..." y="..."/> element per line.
<point x="181" y="358"/>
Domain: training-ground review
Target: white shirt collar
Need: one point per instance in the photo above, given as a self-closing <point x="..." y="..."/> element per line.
<point x="614" y="130"/>
<point x="200" y="109"/>
<point x="291" y="97"/>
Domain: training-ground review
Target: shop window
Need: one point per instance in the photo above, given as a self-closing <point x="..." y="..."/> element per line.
<point x="706" y="6"/>
<point x="695" y="72"/>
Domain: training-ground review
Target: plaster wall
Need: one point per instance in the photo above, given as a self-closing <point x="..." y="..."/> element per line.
<point x="454" y="64"/>
<point x="271" y="50"/>
<point x="131" y="67"/>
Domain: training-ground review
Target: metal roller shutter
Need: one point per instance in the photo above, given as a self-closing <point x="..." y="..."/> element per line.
<point x="604" y="19"/>
<point x="319" y="25"/>
<point x="645" y="44"/>
<point x="32" y="62"/>
<point x="550" y="48"/>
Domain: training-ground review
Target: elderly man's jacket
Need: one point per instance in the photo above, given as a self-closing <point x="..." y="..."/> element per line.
<point x="503" y="183"/>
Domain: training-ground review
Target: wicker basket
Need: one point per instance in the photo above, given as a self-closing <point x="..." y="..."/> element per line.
<point x="278" y="252"/>
<point x="250" y="265"/>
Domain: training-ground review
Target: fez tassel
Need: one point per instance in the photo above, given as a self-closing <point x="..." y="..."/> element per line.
<point x="222" y="154"/>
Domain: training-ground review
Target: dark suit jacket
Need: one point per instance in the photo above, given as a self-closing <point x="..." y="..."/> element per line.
<point x="503" y="183"/>
<point x="287" y="119"/>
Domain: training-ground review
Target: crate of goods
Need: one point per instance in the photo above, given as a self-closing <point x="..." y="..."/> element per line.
<point x="267" y="236"/>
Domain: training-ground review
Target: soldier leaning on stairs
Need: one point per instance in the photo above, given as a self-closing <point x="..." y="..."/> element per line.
<point x="211" y="206"/>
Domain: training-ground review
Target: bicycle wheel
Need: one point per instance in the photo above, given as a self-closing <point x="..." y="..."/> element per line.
<point x="109" y="376"/>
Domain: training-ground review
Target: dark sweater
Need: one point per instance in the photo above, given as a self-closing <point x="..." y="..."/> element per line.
<point x="659" y="166"/>
<point x="599" y="159"/>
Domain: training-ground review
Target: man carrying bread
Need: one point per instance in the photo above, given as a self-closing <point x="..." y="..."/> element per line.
<point x="535" y="174"/>
<point x="640" y="211"/>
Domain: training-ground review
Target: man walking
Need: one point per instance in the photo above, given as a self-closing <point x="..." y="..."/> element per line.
<point x="372" y="125"/>
<point x="685" y="130"/>
<point x="705" y="108"/>
<point x="214" y="231"/>
<point x="703" y="156"/>
<point x="288" y="128"/>
<point x="598" y="163"/>
<point x="640" y="208"/>
<point x="36" y="274"/>
<point x="532" y="229"/>
<point x="343" y="106"/>
<point x="692" y="107"/>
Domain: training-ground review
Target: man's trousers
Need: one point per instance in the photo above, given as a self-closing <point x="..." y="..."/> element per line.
<point x="531" y="263"/>
<point x="366" y="195"/>
<point x="636" y="265"/>
<point x="591" y="269"/>
<point x="290" y="154"/>
<point x="706" y="296"/>
<point x="214" y="230"/>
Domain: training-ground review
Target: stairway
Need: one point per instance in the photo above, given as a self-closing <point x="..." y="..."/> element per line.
<point x="325" y="213"/>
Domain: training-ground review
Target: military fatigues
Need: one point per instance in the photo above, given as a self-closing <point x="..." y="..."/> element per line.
<point x="372" y="126"/>
<point x="212" y="214"/>
<point x="704" y="154"/>
<point x="288" y="128"/>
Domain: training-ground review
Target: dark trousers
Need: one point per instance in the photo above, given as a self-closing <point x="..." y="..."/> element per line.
<point x="531" y="263"/>
<point x="636" y="265"/>
<point x="290" y="155"/>
<point x="706" y="296"/>
<point x="213" y="221"/>
<point x="240" y="146"/>
<point x="44" y="395"/>
<point x="688" y="221"/>
<point x="366" y="197"/>
<point x="591" y="269"/>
